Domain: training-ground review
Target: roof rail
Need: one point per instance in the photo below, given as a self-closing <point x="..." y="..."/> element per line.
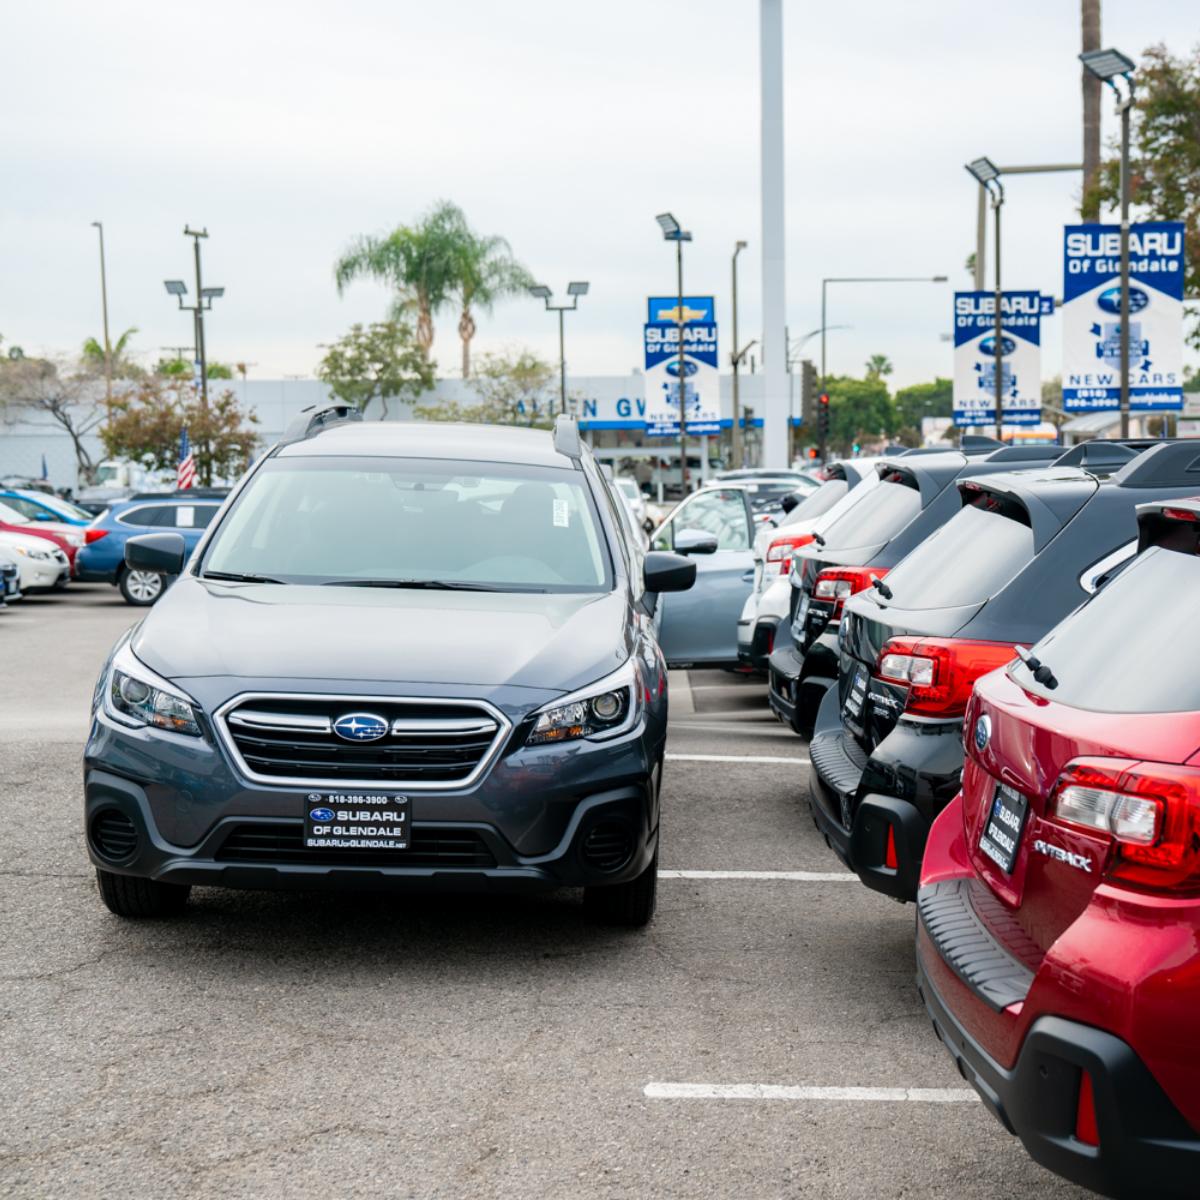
<point x="974" y="443"/>
<point x="1034" y="453"/>
<point x="1173" y="462"/>
<point x="195" y="493"/>
<point x="316" y="417"/>
<point x="1100" y="453"/>
<point x="566" y="437"/>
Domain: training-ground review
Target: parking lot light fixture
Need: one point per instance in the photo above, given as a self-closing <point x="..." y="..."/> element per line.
<point x="1109" y="66"/>
<point x="574" y="290"/>
<point x="175" y="287"/>
<point x="672" y="231"/>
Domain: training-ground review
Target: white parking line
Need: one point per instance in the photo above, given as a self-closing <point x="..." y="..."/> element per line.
<point x="771" y="1091"/>
<point x="791" y="759"/>
<point x="792" y="876"/>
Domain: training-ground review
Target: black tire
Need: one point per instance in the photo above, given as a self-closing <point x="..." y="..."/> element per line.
<point x="138" y="588"/>
<point x="630" y="904"/>
<point x="129" y="896"/>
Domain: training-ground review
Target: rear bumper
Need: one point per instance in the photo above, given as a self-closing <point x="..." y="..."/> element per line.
<point x="799" y="679"/>
<point x="1146" y="1148"/>
<point x="837" y="767"/>
<point x="756" y="652"/>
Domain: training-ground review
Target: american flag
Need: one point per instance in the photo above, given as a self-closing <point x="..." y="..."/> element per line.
<point x="187" y="464"/>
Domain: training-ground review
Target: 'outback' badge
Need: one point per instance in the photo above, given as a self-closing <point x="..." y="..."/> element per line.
<point x="983" y="732"/>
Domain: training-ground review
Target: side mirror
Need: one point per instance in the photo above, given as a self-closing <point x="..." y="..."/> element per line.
<point x="162" y="553"/>
<point x="695" y="541"/>
<point x="666" y="572"/>
<point x="789" y="501"/>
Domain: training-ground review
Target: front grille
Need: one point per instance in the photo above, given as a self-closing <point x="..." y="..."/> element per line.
<point x="428" y="744"/>
<point x="283" y="842"/>
<point x="608" y="846"/>
<point x="113" y="835"/>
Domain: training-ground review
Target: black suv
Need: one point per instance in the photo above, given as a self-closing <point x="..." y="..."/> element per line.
<point x="1024" y="549"/>
<point x="914" y="497"/>
<point x="402" y="655"/>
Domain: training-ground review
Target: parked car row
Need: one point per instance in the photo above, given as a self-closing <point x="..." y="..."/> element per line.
<point x="993" y="654"/>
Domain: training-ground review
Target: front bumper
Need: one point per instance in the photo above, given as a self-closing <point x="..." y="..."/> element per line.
<point x="541" y="817"/>
<point x="1146" y="1148"/>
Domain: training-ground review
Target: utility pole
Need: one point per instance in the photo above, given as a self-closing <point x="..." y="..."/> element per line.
<point x="736" y="357"/>
<point x="998" y="334"/>
<point x="1092" y="87"/>
<point x="196" y="235"/>
<point x="1125" y="103"/>
<point x="679" y="313"/>
<point x="104" y="305"/>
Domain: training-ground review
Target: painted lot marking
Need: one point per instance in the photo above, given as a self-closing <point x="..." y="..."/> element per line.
<point x="792" y="876"/>
<point x="772" y="1091"/>
<point x="790" y="760"/>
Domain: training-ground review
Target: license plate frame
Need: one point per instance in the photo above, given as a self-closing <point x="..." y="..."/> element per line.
<point x="1003" y="827"/>
<point x="856" y="697"/>
<point x="366" y="822"/>
<point x="800" y="620"/>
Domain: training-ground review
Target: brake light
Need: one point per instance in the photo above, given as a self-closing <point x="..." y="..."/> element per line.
<point x="780" y="550"/>
<point x="939" y="672"/>
<point x="1151" y="811"/>
<point x="1180" y="514"/>
<point x="840" y="583"/>
<point x="94" y="535"/>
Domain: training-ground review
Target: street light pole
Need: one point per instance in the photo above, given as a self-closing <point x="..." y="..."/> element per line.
<point x="997" y="202"/>
<point x="1109" y="66"/>
<point x="104" y="307"/>
<point x="196" y="235"/>
<point x="574" y="290"/>
<point x="736" y="356"/>
<point x="683" y="468"/>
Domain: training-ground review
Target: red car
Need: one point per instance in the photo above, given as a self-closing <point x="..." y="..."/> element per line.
<point x="68" y="538"/>
<point x="1058" y="934"/>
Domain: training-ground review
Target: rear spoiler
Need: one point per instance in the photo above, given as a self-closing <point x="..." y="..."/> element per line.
<point x="1016" y="495"/>
<point x="1171" y="524"/>
<point x="1173" y="462"/>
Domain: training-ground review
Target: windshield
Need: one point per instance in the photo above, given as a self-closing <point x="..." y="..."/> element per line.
<point x="1133" y="648"/>
<point x="967" y="561"/>
<point x="394" y="520"/>
<point x="13" y="517"/>
<point x="629" y="488"/>
<point x="882" y="513"/>
<point x="107" y="472"/>
<point x="66" y="508"/>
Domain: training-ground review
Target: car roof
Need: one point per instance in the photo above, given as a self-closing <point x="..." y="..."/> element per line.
<point x="431" y="439"/>
<point x="149" y="500"/>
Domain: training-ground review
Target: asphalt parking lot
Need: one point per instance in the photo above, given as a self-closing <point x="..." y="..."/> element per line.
<point x="271" y="1044"/>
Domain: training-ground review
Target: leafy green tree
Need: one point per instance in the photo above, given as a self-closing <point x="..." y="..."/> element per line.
<point x="146" y="421"/>
<point x="417" y="262"/>
<point x="123" y="366"/>
<point x="382" y="360"/>
<point x="514" y="388"/>
<point x="181" y="368"/>
<point x="860" y="410"/>
<point x="934" y="399"/>
<point x="1165" y="166"/>
<point x="878" y="365"/>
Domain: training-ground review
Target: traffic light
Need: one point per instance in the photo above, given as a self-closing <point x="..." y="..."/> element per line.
<point x="823" y="417"/>
<point x="808" y="392"/>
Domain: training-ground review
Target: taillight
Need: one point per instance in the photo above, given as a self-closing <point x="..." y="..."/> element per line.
<point x="939" y="672"/>
<point x="840" y="583"/>
<point x="1151" y="811"/>
<point x="94" y="535"/>
<point x="780" y="550"/>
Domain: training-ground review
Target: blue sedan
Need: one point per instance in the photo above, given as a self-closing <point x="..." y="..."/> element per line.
<point x="102" y="558"/>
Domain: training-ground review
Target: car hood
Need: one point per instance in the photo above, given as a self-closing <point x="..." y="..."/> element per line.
<point x="479" y="640"/>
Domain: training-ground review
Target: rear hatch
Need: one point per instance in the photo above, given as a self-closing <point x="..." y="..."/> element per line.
<point x="1075" y="768"/>
<point x="928" y="598"/>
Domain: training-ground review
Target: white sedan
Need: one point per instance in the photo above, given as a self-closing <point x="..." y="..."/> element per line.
<point x="42" y="565"/>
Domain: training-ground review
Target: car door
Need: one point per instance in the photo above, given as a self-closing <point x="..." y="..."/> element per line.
<point x="700" y="625"/>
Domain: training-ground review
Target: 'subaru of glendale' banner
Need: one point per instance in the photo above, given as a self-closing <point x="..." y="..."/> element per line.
<point x="1020" y="357"/>
<point x="701" y="375"/>
<point x="1092" y="317"/>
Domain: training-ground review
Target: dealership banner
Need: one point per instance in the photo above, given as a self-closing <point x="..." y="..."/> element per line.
<point x="1020" y="357"/>
<point x="701" y="381"/>
<point x="1092" y="317"/>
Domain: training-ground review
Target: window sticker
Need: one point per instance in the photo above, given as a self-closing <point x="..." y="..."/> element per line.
<point x="562" y="514"/>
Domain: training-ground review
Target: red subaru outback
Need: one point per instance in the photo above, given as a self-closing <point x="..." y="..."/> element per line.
<point x="1058" y="935"/>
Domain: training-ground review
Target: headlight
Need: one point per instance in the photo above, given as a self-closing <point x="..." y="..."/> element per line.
<point x="38" y="554"/>
<point x="135" y="695"/>
<point x="604" y="709"/>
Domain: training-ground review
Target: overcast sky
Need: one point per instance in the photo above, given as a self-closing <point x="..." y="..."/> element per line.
<point x="286" y="129"/>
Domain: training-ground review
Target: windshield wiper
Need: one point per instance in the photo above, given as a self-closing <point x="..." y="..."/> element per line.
<point x="881" y="587"/>
<point x="433" y="585"/>
<point x="235" y="577"/>
<point x="818" y="539"/>
<point x="1038" y="669"/>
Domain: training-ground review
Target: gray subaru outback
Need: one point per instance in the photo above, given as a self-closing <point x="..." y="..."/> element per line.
<point x="403" y="656"/>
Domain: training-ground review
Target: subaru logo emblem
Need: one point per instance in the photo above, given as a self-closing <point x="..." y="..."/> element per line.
<point x="1109" y="300"/>
<point x="983" y="732"/>
<point x="322" y="815"/>
<point x="360" y="727"/>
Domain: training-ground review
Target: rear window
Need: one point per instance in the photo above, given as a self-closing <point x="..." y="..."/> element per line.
<point x="1134" y="647"/>
<point x="817" y="503"/>
<point x="877" y="518"/>
<point x="976" y="553"/>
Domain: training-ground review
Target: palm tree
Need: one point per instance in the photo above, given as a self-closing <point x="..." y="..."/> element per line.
<point x="416" y="261"/>
<point x="93" y="352"/>
<point x="878" y="365"/>
<point x="484" y="272"/>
